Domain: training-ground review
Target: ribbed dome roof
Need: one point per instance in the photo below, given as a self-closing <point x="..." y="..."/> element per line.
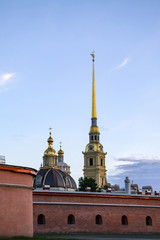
<point x="55" y="178"/>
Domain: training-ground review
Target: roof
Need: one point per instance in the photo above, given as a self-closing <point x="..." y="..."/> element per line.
<point x="55" y="178"/>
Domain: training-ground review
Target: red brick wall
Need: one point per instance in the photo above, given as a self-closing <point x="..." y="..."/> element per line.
<point x="16" y="199"/>
<point x="56" y="214"/>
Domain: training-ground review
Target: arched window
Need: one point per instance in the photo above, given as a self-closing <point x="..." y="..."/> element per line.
<point x="101" y="162"/>
<point x="99" y="220"/>
<point x="71" y="219"/>
<point x="92" y="137"/>
<point x="148" y="221"/>
<point x="95" y="137"/>
<point x="91" y="161"/>
<point x="124" y="220"/>
<point x="41" y="219"/>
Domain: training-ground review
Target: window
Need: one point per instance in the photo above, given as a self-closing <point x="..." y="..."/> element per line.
<point x="41" y="219"/>
<point x="124" y="220"/>
<point x="71" y="219"/>
<point x="102" y="181"/>
<point x="148" y="221"/>
<point x="92" y="137"/>
<point x="99" y="220"/>
<point x="91" y="161"/>
<point x="91" y="148"/>
<point x="101" y="162"/>
<point x="95" y="137"/>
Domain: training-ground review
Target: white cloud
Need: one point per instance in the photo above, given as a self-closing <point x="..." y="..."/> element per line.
<point x="5" y="78"/>
<point x="124" y="63"/>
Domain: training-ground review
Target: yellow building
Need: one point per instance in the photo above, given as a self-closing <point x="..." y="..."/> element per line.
<point x="94" y="155"/>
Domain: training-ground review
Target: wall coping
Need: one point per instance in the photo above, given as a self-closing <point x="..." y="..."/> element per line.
<point x="93" y="194"/>
<point x="18" y="169"/>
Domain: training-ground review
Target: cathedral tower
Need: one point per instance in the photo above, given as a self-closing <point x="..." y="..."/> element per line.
<point x="94" y="155"/>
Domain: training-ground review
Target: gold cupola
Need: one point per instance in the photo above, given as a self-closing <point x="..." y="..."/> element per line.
<point x="50" y="155"/>
<point x="60" y="152"/>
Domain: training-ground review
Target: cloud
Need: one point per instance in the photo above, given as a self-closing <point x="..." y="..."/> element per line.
<point x="143" y="171"/>
<point x="124" y="63"/>
<point x="6" y="78"/>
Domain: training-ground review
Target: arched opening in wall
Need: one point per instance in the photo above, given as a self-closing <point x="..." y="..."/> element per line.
<point x="91" y="161"/>
<point x="124" y="220"/>
<point x="95" y="137"/>
<point x="71" y="219"/>
<point x="92" y="137"/>
<point x="101" y="162"/>
<point x="41" y="219"/>
<point x="99" y="219"/>
<point x="148" y="221"/>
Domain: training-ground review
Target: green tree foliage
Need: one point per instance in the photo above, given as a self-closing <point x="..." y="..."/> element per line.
<point x="87" y="182"/>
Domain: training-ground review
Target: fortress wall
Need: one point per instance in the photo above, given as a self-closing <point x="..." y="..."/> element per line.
<point x="16" y="201"/>
<point x="56" y="207"/>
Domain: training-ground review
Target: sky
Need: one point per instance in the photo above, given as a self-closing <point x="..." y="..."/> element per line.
<point x="46" y="81"/>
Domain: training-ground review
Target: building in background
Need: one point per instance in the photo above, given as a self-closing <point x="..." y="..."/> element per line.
<point x="54" y="173"/>
<point x="2" y="159"/>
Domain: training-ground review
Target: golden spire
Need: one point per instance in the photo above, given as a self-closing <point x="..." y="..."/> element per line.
<point x="94" y="128"/>
<point x="94" y="114"/>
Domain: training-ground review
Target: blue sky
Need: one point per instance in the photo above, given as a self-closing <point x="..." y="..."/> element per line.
<point x="46" y="77"/>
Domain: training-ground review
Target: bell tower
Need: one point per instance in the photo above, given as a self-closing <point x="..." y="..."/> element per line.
<point x="94" y="155"/>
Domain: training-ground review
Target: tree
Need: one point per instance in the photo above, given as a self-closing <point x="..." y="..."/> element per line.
<point x="87" y="182"/>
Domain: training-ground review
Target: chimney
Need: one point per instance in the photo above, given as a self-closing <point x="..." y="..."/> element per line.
<point x="127" y="186"/>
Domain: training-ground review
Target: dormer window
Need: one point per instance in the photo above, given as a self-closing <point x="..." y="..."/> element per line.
<point x="91" y="148"/>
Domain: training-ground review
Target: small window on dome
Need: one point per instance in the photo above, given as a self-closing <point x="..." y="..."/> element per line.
<point x="91" y="148"/>
<point x="38" y="180"/>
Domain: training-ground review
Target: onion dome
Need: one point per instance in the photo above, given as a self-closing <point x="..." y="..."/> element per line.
<point x="50" y="155"/>
<point x="60" y="152"/>
<point x="55" y="178"/>
<point x="50" y="151"/>
<point x="61" y="164"/>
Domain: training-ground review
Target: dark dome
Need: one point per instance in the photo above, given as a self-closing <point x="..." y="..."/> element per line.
<point x="55" y="178"/>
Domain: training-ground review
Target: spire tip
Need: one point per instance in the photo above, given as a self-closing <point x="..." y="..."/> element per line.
<point x="93" y="55"/>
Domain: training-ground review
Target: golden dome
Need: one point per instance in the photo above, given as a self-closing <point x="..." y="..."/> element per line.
<point x="60" y="152"/>
<point x="50" y="151"/>
<point x="94" y="129"/>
